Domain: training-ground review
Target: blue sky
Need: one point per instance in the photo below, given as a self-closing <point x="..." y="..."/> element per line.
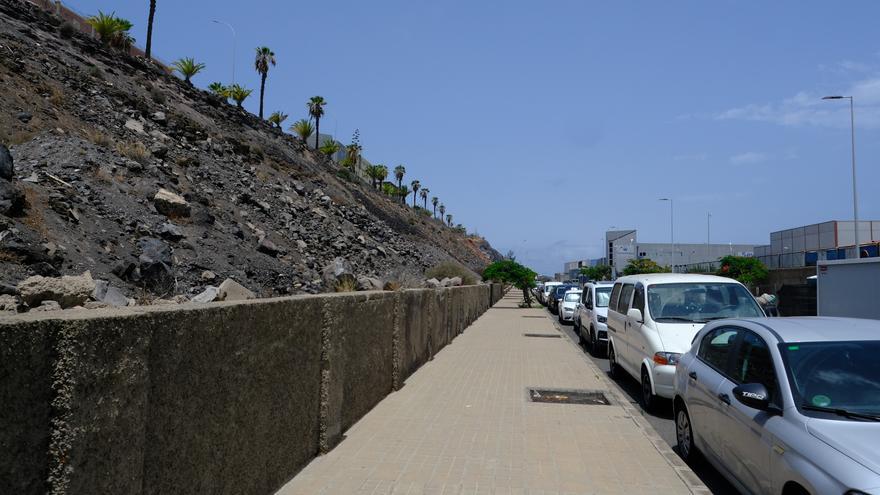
<point x="540" y="124"/>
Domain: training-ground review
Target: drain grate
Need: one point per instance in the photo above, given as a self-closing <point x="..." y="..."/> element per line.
<point x="544" y="335"/>
<point x="561" y="396"/>
<point x="533" y="316"/>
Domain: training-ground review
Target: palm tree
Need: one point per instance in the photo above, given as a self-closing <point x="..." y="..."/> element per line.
<point x="316" y="111"/>
<point x="389" y="189"/>
<point x="264" y="58"/>
<point x="219" y="89"/>
<point x="371" y="174"/>
<point x="147" y="50"/>
<point x="188" y="67"/>
<point x="442" y="211"/>
<point x="449" y="219"/>
<point x="277" y="118"/>
<point x="424" y="196"/>
<point x="415" y="190"/>
<point x="304" y="128"/>
<point x="329" y="147"/>
<point x="382" y="173"/>
<point x="434" y="202"/>
<point x="399" y="172"/>
<point x="403" y="192"/>
<point x="238" y="94"/>
<point x="112" y="30"/>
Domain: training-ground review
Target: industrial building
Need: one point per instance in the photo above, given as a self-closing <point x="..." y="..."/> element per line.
<point x="833" y="240"/>
<point x="623" y="245"/>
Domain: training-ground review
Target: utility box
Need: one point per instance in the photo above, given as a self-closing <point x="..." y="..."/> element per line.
<point x="849" y="288"/>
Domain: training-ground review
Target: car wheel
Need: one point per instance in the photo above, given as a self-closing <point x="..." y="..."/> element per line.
<point x="580" y="332"/>
<point x="649" y="400"/>
<point x="613" y="368"/>
<point x="684" y="434"/>
<point x="594" y="344"/>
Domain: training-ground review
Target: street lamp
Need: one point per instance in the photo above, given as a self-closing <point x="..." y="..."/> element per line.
<point x="671" y="228"/>
<point x="852" y="123"/>
<point x="215" y="21"/>
<point x="708" y="231"/>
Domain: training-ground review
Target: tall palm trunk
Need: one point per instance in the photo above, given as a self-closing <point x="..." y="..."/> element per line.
<point x="148" y="49"/>
<point x="435" y="211"/>
<point x="415" y="197"/>
<point x="426" y="203"/>
<point x="317" y="131"/>
<point x="262" y="90"/>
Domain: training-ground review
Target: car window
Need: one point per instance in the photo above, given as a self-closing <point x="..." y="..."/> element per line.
<point x="639" y="299"/>
<point x="700" y="302"/>
<point x="572" y="297"/>
<point x="615" y="295"/>
<point x="716" y="346"/>
<point x="584" y="297"/>
<point x="625" y="295"/>
<point x="754" y="364"/>
<point x="602" y="296"/>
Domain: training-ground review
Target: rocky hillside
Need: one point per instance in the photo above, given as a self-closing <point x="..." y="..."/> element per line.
<point x="162" y="190"/>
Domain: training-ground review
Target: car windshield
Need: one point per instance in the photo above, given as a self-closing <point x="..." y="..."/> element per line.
<point x="603" y="295"/>
<point x="839" y="377"/>
<point x="561" y="290"/>
<point x="700" y="302"/>
<point x="572" y="296"/>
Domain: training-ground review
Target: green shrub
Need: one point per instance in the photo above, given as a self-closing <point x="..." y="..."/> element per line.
<point x="748" y="271"/>
<point x="449" y="269"/>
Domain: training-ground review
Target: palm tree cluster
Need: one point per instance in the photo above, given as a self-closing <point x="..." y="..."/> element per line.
<point x="113" y="32"/>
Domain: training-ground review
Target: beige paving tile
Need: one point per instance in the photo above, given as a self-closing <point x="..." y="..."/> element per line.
<point x="463" y="424"/>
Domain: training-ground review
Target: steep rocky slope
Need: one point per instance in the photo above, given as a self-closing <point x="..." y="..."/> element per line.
<point x="161" y="189"/>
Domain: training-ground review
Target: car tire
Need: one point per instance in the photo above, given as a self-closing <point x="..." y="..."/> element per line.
<point x="684" y="434"/>
<point x="649" y="400"/>
<point x="594" y="344"/>
<point x="580" y="331"/>
<point x="614" y="370"/>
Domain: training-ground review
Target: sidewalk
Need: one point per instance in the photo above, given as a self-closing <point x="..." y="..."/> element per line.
<point x="463" y="424"/>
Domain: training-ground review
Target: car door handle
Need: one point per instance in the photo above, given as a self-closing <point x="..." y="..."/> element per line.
<point x="693" y="375"/>
<point x="724" y="398"/>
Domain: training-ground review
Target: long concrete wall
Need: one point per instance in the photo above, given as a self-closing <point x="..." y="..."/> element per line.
<point x="222" y="398"/>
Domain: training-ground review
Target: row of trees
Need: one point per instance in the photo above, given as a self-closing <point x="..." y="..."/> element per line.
<point x="114" y="32"/>
<point x="747" y="270"/>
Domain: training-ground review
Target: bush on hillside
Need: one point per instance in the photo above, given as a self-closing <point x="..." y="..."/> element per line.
<point x="449" y="269"/>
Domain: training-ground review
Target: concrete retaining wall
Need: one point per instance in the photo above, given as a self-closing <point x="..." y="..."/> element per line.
<point x="221" y="398"/>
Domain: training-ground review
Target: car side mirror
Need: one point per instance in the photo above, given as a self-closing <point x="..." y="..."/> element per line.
<point x="753" y="395"/>
<point x="635" y="314"/>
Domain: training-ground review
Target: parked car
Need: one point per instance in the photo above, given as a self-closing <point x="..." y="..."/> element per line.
<point x="556" y="295"/>
<point x="568" y="305"/>
<point x="652" y="319"/>
<point x="544" y="295"/>
<point x="784" y="405"/>
<point x="592" y="315"/>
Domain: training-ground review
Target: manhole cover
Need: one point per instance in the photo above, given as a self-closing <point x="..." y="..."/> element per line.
<point x="585" y="397"/>
<point x="544" y="335"/>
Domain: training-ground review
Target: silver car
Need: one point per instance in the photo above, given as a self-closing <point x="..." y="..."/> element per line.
<point x="784" y="405"/>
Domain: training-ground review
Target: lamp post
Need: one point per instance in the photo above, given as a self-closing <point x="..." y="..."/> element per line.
<point x="233" y="45"/>
<point x="671" y="229"/>
<point x="852" y="124"/>
<point x="708" y="233"/>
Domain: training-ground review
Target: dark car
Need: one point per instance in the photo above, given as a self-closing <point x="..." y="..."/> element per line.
<point x="556" y="294"/>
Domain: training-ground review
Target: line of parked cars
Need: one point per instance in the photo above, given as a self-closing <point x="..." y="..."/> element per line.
<point x="777" y="405"/>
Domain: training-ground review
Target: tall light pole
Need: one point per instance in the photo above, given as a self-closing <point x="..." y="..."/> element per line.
<point x="671" y="229"/>
<point x="852" y="123"/>
<point x="233" y="45"/>
<point x="708" y="233"/>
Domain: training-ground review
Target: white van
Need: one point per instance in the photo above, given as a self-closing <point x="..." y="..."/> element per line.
<point x="592" y="315"/>
<point x="653" y="318"/>
<point x="548" y="286"/>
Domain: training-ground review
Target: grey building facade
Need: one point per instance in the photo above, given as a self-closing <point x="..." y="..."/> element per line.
<point x="832" y="240"/>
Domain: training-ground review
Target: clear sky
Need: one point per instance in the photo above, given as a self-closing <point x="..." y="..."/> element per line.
<point x="540" y="124"/>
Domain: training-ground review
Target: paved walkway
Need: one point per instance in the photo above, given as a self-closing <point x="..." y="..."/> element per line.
<point x="463" y="424"/>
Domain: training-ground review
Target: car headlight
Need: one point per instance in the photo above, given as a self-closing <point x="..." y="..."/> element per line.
<point x="670" y="358"/>
<point x="603" y="319"/>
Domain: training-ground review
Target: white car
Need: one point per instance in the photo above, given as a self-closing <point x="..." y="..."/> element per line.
<point x="544" y="295"/>
<point x="653" y="318"/>
<point x="568" y="306"/>
<point x="592" y="315"/>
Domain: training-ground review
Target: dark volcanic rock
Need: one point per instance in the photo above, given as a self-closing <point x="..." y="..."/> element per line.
<point x="155" y="265"/>
<point x="12" y="200"/>
<point x="7" y="170"/>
